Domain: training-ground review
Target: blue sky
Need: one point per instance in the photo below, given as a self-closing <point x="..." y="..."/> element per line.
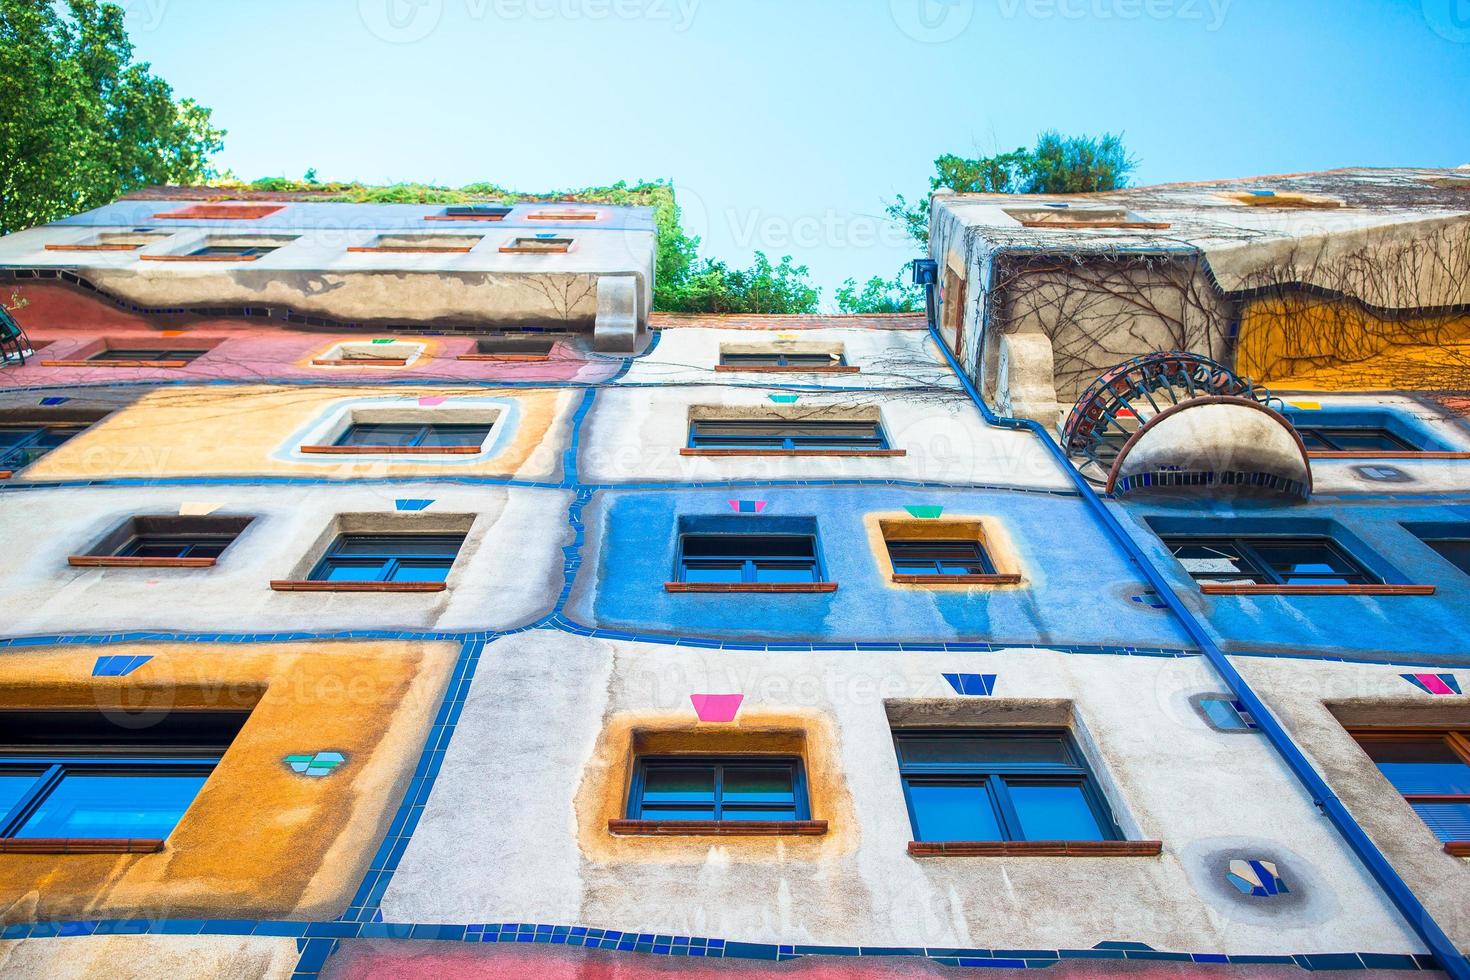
<point x="786" y="124"/>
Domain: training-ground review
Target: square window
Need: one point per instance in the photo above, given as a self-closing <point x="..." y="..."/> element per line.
<point x="22" y="443"/>
<point x="511" y="347"/>
<point x="789" y="358"/>
<point x="384" y="352"/>
<point x="388" y="558"/>
<point x="1432" y="771"/>
<point x="475" y="212"/>
<point x="165" y="540"/>
<point x="748" y="558"/>
<point x="420" y="243"/>
<point x="999" y="785"/>
<point x="181" y="355"/>
<point x="936" y="556"/>
<point x="538" y="244"/>
<point x="787" y="436"/>
<point x="1268" y="560"/>
<point x="718" y="788"/>
<point x="1449" y="539"/>
<point x="77" y="775"/>
<point x="1364" y="439"/>
<point x="410" y="435"/>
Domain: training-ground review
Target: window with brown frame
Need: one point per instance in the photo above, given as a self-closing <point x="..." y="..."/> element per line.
<point x="1432" y="770"/>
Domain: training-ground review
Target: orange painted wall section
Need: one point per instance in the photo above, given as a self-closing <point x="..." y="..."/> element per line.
<point x="260" y="840"/>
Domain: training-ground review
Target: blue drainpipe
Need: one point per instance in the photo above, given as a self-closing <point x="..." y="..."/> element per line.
<point x="1451" y="961"/>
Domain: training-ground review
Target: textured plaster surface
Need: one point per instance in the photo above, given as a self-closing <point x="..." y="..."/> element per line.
<point x="539" y="737"/>
<point x="149" y="957"/>
<point x="508" y="571"/>
<point x="259" y="840"/>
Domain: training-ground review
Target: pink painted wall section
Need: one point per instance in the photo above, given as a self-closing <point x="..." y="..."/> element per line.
<point x="377" y="960"/>
<point x="68" y="322"/>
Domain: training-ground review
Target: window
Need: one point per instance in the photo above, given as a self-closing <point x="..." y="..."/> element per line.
<point x="988" y="785"/>
<point x="734" y="559"/>
<point x="1456" y="551"/>
<point x="719" y="788"/>
<point x="1354" y="439"/>
<point x="474" y="212"/>
<point x="232" y="251"/>
<point x="1068" y="216"/>
<point x="413" y="435"/>
<point x="539" y="243"/>
<point x="164" y="541"/>
<point x="389" y="558"/>
<point x="511" y="347"/>
<point x="420" y="243"/>
<point x="1432" y="771"/>
<point x="924" y="556"/>
<point x="382" y="352"/>
<point x="71" y="775"/>
<point x="1268" y="560"/>
<point x="780" y="360"/>
<point x="184" y="354"/>
<point x="21" y="444"/>
<point x="789" y="436"/>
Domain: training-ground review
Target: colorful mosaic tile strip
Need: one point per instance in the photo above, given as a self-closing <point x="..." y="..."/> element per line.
<point x="1228" y="715"/>
<point x="718" y="708"/>
<point x="924" y="512"/>
<point x="1258" y="879"/>
<point x="431" y="401"/>
<point x="784" y="399"/>
<point x="118" y="666"/>
<point x="972" y="685"/>
<point x="54" y="400"/>
<point x="1150" y="599"/>
<point x="320" y="764"/>
<point x="412" y="504"/>
<point x="747" y="506"/>
<point x="1434" y="683"/>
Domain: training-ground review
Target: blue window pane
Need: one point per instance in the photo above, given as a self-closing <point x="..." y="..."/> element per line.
<point x="953" y="811"/>
<point x="784" y="813"/>
<point x="785" y="572"/>
<point x="113" y="805"/>
<point x="979" y="749"/>
<point x="1420" y="766"/>
<point x="668" y="785"/>
<point x="1449" y="821"/>
<point x="1224" y="714"/>
<point x="413" y="572"/>
<point x="353" y="573"/>
<point x="13" y="786"/>
<point x="667" y="813"/>
<point x="714" y="571"/>
<point x="759" y="786"/>
<point x="1053" y="812"/>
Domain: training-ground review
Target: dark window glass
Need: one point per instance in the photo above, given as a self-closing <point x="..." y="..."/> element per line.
<point x="782" y="360"/>
<point x="756" y="434"/>
<point x="22" y="445"/>
<point x="175" y="546"/>
<point x="398" y="435"/>
<point x="932" y="557"/>
<point x="1268" y="560"/>
<point x="476" y="211"/>
<point x="723" y="788"/>
<point x="1027" y="785"/>
<point x="389" y="558"/>
<point x="731" y="558"/>
<point x="1456" y="551"/>
<point x="1433" y="774"/>
<point x="239" y="251"/>
<point x="147" y="354"/>
<point x="1363" y="439"/>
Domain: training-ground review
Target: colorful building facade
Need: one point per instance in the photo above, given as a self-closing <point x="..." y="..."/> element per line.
<point x="436" y="609"/>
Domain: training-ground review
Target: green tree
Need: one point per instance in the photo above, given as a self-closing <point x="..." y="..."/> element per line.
<point x="81" y="122"/>
<point x="1056" y="165"/>
<point x="880" y="295"/>
<point x="711" y="286"/>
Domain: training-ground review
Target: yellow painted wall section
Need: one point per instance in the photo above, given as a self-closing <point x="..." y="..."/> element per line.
<point x="1309" y="343"/>
<point x="260" y="840"/>
<point x="254" y="430"/>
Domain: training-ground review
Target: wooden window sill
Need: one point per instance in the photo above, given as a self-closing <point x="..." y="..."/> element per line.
<point x="750" y="586"/>
<point x="464" y="217"/>
<point x="401" y="249"/>
<point x="360" y="362"/>
<point x="392" y="450"/>
<point x="1458" y="848"/>
<point x="133" y="561"/>
<point x="563" y="217"/>
<point x="198" y="258"/>
<point x="509" y="250"/>
<point x="718" y="828"/>
<point x="504" y="357"/>
<point x="1036" y="848"/>
<point x="997" y="579"/>
<point x="6" y="474"/>
<point x="93" y="248"/>
<point x="830" y="369"/>
<point x="306" y="585"/>
<point x="1386" y="454"/>
<point x="117" y="364"/>
<point x="1252" y="588"/>
<point x="796" y="453"/>
<point x="71" y="845"/>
